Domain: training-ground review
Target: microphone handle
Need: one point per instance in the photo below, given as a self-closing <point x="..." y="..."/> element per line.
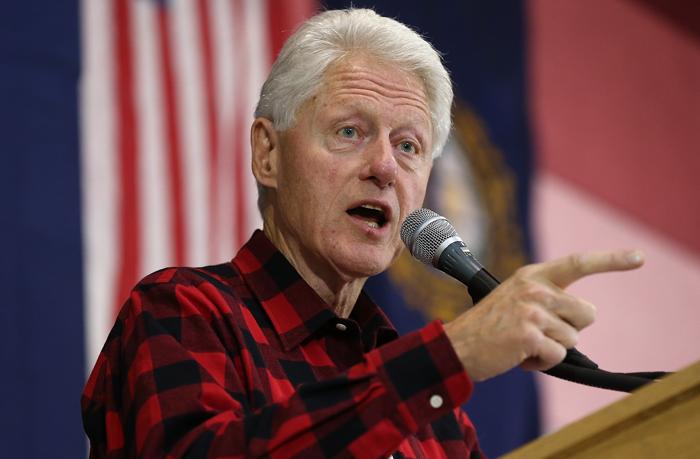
<point x="481" y="284"/>
<point x="457" y="261"/>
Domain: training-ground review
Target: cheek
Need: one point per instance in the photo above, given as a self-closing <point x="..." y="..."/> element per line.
<point x="414" y="192"/>
<point x="422" y="186"/>
<point x="332" y="174"/>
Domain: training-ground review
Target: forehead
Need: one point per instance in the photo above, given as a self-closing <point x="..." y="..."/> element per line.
<point x="363" y="78"/>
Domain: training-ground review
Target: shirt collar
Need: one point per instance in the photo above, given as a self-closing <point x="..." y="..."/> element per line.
<point x="293" y="307"/>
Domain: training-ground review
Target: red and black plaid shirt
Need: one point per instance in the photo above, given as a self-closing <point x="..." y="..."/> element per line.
<point x="244" y="359"/>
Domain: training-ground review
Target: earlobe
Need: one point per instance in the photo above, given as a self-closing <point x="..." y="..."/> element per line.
<point x="264" y="144"/>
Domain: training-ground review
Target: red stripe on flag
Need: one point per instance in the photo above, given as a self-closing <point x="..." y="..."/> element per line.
<point x="239" y="129"/>
<point x="210" y="98"/>
<point x="126" y="129"/>
<point x="283" y="17"/>
<point x="172" y="140"/>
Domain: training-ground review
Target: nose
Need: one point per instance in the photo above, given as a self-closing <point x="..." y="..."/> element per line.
<point x="381" y="166"/>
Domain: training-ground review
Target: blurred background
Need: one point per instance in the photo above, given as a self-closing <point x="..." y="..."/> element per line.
<point x="124" y="140"/>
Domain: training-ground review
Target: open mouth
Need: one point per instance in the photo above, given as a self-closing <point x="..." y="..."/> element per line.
<point x="374" y="216"/>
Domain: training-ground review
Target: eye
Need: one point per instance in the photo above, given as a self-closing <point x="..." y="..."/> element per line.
<point x="408" y="147"/>
<point x="348" y="132"/>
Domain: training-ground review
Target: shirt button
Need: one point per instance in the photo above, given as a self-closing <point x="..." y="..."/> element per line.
<point x="436" y="401"/>
<point x="341" y="327"/>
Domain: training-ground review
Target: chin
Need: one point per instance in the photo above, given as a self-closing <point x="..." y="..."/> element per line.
<point x="365" y="264"/>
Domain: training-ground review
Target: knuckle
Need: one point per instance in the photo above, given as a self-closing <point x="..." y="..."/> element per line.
<point x="571" y="339"/>
<point x="533" y="314"/>
<point x="559" y="355"/>
<point x="577" y="262"/>
<point x="536" y="292"/>
<point x="525" y="271"/>
<point x="531" y="337"/>
<point x="583" y="314"/>
<point x="590" y="312"/>
<point x="593" y="310"/>
<point x="553" y="355"/>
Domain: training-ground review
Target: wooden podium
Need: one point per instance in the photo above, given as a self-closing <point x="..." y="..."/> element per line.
<point x="661" y="419"/>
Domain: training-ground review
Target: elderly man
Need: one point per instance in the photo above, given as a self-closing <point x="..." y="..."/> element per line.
<point x="279" y="353"/>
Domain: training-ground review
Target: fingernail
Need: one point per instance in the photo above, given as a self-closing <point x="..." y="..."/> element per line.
<point x="635" y="257"/>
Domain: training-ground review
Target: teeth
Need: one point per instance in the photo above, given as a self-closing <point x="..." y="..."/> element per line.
<point x="373" y="224"/>
<point x="369" y="206"/>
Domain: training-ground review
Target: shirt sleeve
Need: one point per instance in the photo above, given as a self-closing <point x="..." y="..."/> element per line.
<point x="171" y="381"/>
<point x="470" y="439"/>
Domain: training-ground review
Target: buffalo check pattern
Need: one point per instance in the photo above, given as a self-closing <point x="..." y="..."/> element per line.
<point x="243" y="359"/>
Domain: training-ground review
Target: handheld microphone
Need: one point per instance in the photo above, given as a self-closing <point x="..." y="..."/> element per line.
<point x="432" y="239"/>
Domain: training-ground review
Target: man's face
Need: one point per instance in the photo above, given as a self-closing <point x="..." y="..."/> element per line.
<point x="354" y="165"/>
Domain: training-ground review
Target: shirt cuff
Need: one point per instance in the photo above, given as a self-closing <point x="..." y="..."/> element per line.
<point x="424" y="374"/>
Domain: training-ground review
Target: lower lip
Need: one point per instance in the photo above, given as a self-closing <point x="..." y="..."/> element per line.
<point x="368" y="230"/>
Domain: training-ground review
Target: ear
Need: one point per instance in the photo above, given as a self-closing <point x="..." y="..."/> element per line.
<point x="264" y="142"/>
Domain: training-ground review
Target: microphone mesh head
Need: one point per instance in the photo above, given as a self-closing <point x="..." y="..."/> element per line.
<point x="414" y="220"/>
<point x="423" y="241"/>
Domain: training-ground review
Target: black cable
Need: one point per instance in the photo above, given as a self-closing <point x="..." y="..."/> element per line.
<point x="596" y="377"/>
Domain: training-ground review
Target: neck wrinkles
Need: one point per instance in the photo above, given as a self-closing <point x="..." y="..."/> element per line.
<point x="338" y="291"/>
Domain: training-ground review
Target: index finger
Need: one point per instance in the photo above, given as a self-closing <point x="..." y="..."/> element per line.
<point x="564" y="271"/>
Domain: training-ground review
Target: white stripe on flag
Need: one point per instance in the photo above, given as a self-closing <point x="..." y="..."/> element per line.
<point x="259" y="65"/>
<point x="99" y="171"/>
<point x="186" y="47"/>
<point x="225" y="79"/>
<point x="155" y="233"/>
<point x="229" y="77"/>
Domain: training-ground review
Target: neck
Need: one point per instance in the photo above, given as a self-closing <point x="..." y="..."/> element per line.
<point x="338" y="291"/>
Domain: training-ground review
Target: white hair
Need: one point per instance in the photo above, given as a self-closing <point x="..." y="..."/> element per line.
<point x="325" y="38"/>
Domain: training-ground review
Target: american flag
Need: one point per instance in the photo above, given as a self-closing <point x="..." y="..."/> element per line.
<point x="167" y="93"/>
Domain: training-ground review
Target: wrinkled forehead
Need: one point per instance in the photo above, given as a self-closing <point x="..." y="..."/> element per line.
<point x="359" y="80"/>
<point x="386" y="78"/>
